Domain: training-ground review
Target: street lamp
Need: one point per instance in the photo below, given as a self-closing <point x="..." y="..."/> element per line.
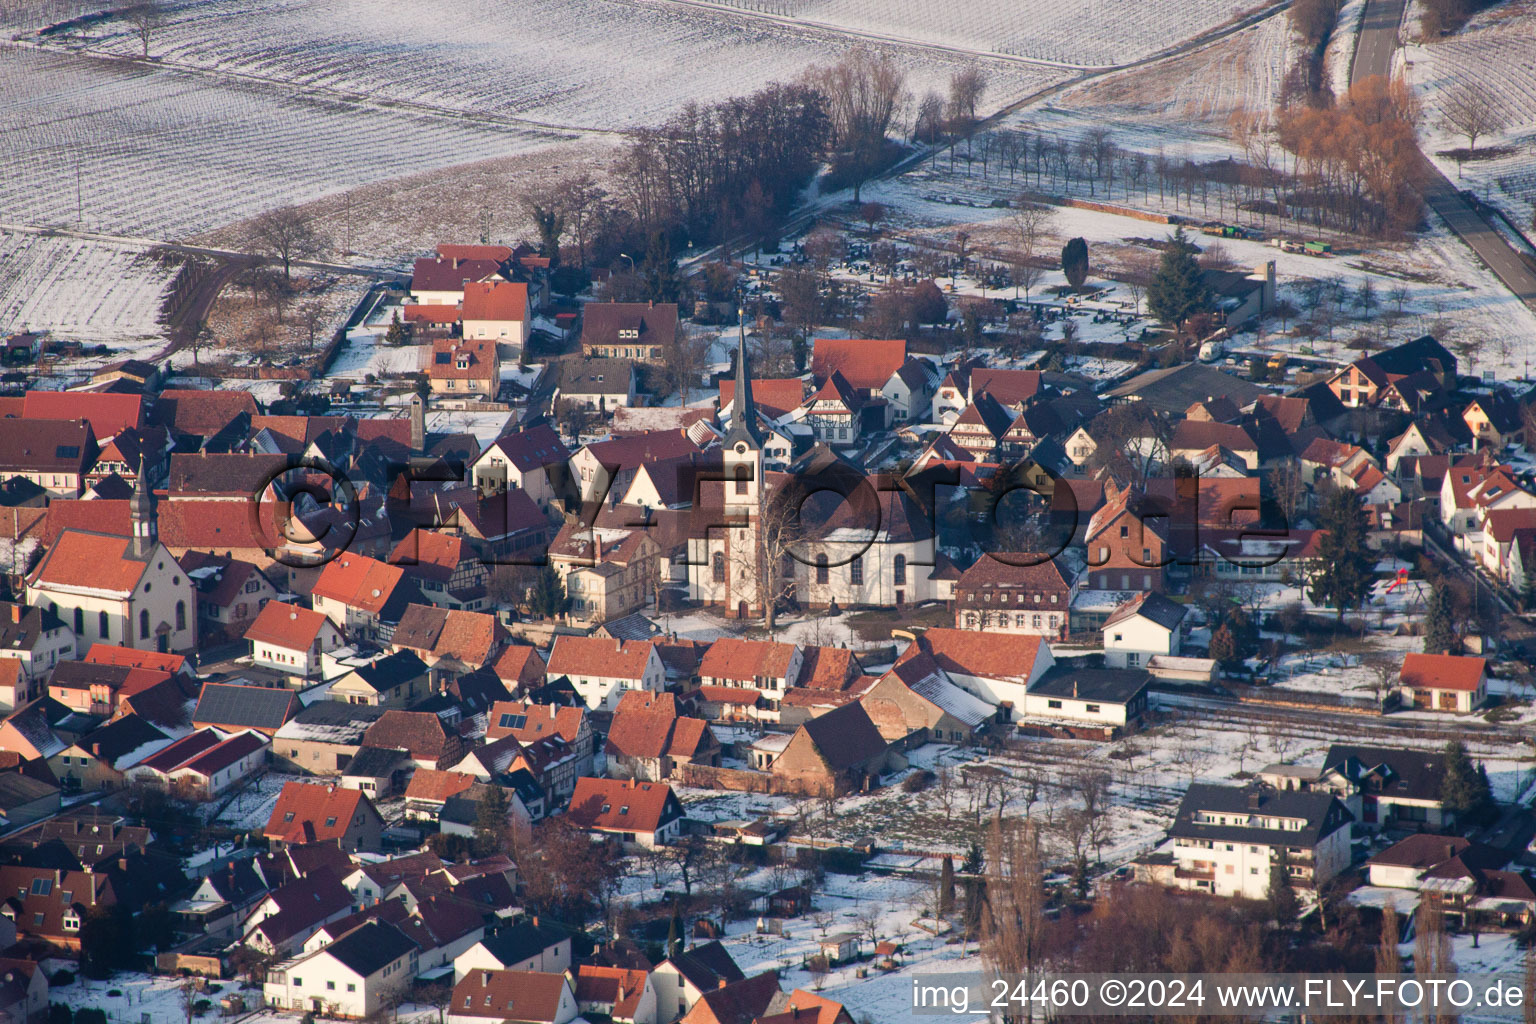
<point x="627" y="256"/>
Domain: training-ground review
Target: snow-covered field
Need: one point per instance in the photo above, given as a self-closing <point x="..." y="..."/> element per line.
<point x="164" y="154"/>
<point x="1495" y="54"/>
<point x="596" y="65"/>
<point x="88" y="291"/>
<point x="1098" y="33"/>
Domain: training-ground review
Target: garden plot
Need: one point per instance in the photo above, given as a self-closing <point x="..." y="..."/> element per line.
<point x="88" y="291"/>
<point x="597" y="65"/>
<point x="162" y="154"/>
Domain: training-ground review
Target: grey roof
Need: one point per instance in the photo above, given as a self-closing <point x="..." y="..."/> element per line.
<point x="744" y="425"/>
<point x="374" y="762"/>
<point x="1153" y="607"/>
<point x="252" y="707"/>
<point x="391" y="671"/>
<point x="17" y="789"/>
<point x="1176" y="388"/>
<point x="1322" y="812"/>
<point x="633" y="626"/>
<point x="1409" y="774"/>
<point x="523" y="941"/>
<point x="707" y="965"/>
<point x="371" y="947"/>
<point x="1101" y="685"/>
<point x="845" y="736"/>
<point x="331" y="721"/>
<point x="24" y="635"/>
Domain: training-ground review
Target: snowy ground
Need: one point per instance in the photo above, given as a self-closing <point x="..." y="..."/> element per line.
<point x="87" y="291"/>
<point x="1495" y="53"/>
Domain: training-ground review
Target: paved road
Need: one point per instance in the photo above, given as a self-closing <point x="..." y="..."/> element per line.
<point x="1373" y="56"/>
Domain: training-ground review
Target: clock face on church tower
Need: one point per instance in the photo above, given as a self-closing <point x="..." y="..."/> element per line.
<point x="741" y="447"/>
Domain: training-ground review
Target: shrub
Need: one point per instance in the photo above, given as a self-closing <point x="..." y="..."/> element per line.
<point x="58" y="1013"/>
<point x="61" y="978"/>
<point x="917" y="782"/>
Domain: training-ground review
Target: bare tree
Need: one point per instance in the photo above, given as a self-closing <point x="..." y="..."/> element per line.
<point x="1136" y="272"/>
<point x="311" y="320"/>
<point x="685" y="355"/>
<point x="1289" y="488"/>
<point x="1031" y="224"/>
<point x="144" y="18"/>
<point x="286" y="234"/>
<point x="582" y="200"/>
<point x="1471" y="111"/>
<point x="1013" y="917"/>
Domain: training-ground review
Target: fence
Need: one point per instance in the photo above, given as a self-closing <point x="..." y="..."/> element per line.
<point x="1277" y="697"/>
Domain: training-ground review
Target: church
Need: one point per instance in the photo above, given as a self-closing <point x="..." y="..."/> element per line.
<point x="124" y="591"/>
<point x="725" y="556"/>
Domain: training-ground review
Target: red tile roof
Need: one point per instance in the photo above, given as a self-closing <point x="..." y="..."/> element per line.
<point x="111" y="654"/>
<point x="1443" y="672"/>
<point x="618" y="805"/>
<point x="427" y="314"/>
<point x="526" y="997"/>
<point x="286" y="625"/>
<point x="986" y="655"/>
<point x="107" y="413"/>
<point x="746" y="660"/>
<point x="436" y="786"/>
<point x="599" y="656"/>
<point x="496" y="300"/>
<point x="90" y="561"/>
<point x="358" y="581"/>
<point x="866" y="363"/>
<point x="303" y="811"/>
<point x="457" y="251"/>
<point x="479" y="358"/>
<point x="540" y="720"/>
<point x="774" y="396"/>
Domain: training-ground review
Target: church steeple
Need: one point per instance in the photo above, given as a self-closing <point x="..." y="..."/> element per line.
<point x="744" y="427"/>
<point x="141" y="511"/>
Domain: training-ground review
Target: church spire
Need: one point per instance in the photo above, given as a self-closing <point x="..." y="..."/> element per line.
<point x="141" y="511"/>
<point x="743" y="410"/>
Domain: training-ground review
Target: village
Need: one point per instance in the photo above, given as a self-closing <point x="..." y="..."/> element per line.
<point x="735" y="511"/>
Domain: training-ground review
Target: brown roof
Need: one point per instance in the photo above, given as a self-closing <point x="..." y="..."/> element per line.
<point x="828" y="668"/>
<point x="469" y="251"/>
<point x="844" y="736"/>
<point x="774" y="396"/>
<point x="520" y="664"/>
<point x="469" y="637"/>
<point x="807" y="1008"/>
<point x="517" y="997"/>
<point x="96" y="515"/>
<point x="435" y="786"/>
<point x="231" y="475"/>
<point x="653" y="729"/>
<point x="737" y="1003"/>
<point x="598" y="656"/>
<point x="623" y="988"/>
<point x="968" y="652"/>
<point x="199" y="412"/>
<point x="47" y="446"/>
<point x="601" y="323"/>
<point x="746" y="660"/>
<point x="216" y="526"/>
<point x="422" y="733"/>
<point x="1022" y="570"/>
<point x="478" y="357"/>
<point x="419" y="313"/>
<point x="450" y="275"/>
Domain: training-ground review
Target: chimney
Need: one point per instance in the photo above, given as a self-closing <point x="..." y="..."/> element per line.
<point x="15" y="613"/>
<point x="122" y="863"/>
<point x="1253" y="799"/>
<point x="720" y="983"/>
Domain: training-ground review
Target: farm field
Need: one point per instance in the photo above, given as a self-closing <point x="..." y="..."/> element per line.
<point x="1495" y="54"/>
<point x="1092" y="34"/>
<point x="89" y="291"/>
<point x="584" y="65"/>
<point x="162" y="154"/>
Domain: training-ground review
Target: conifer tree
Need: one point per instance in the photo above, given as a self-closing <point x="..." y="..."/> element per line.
<point x="1177" y="291"/>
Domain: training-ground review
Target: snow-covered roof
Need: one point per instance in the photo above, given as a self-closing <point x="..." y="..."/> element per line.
<point x="952" y="700"/>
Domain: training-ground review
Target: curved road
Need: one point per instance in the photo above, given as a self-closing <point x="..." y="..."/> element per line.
<point x="1373" y="56"/>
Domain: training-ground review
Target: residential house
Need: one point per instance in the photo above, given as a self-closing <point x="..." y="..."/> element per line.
<point x="835" y="412"/>
<point x="25" y="799"/>
<point x="515" y="997"/>
<point x="746" y="1000"/>
<point x="100" y="759"/>
<point x="601" y="669"/>
<point x="646" y="814"/>
<point x="353" y="977"/>
<point x="1014" y="592"/>
<point x="625" y="996"/>
<point x="393" y="681"/>
<point x="35" y="639"/>
<point x="1127" y="542"/>
<point x="449" y="642"/>
<point x="309" y="813"/>
<point x="741" y="678"/>
<point x="683" y="978"/>
<point x="607" y="573"/>
<point x="1443" y="682"/>
<point x="235" y="706"/>
<point x="54" y="454"/>
<point x="1142" y="628"/>
<point x="1228" y="839"/>
<point x="909" y="391"/>
<point x="230" y="593"/>
<point x="289" y="638"/>
<point x="525" y="945"/>
<point x="495" y="312"/>
<point x="1495" y="419"/>
<point x="427" y="739"/>
<point x="1103" y="701"/>
<point x="604" y="470"/>
<point x="597" y="385"/>
<point x="447" y="568"/>
<point x="464" y="368"/>
<point x="529" y="723"/>
<point x="839" y="752"/>
<point x="998" y="668"/>
<point x="441" y="282"/>
<point x="981" y="426"/>
<point x="531" y="460"/>
<point x="628" y="330"/>
<point x="49" y="904"/>
<point x="363" y="596"/>
<point x="521" y="667"/>
<point x="322" y="739"/>
<point x="648" y="738"/>
<point x="914" y="702"/>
